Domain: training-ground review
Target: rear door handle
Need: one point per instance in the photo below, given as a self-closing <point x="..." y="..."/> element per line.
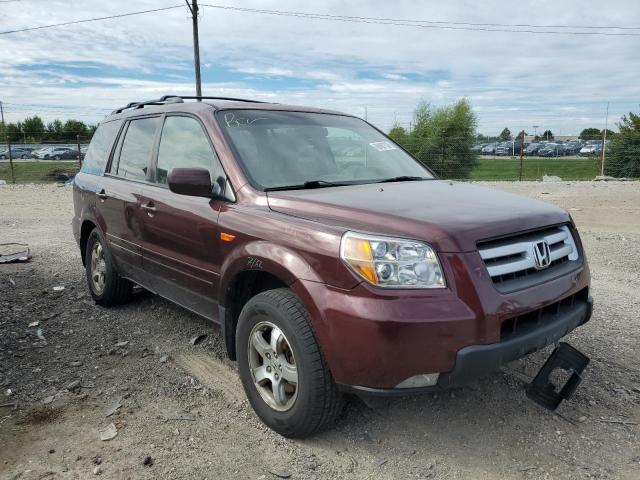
<point x="102" y="195"/>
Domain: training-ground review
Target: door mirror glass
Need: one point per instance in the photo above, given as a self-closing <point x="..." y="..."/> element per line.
<point x="195" y="182"/>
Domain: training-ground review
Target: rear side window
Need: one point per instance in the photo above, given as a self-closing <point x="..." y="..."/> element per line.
<point x="136" y="149"/>
<point x="98" y="153"/>
<point x="184" y="144"/>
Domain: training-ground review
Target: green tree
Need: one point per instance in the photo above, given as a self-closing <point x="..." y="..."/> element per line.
<point x="595" y="134"/>
<point x="11" y="132"/>
<point x="54" y="131"/>
<point x="33" y="129"/>
<point x="623" y="158"/>
<point x="547" y="135"/>
<point x="443" y="137"/>
<point x="505" y="135"/>
<point x="590" y="134"/>
<point x="399" y="135"/>
<point x="74" y="127"/>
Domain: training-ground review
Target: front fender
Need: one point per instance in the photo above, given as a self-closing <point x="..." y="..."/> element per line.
<point x="259" y="256"/>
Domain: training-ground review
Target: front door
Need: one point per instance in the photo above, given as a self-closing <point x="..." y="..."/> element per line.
<point x="180" y="234"/>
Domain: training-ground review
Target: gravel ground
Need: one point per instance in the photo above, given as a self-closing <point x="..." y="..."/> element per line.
<point x="181" y="407"/>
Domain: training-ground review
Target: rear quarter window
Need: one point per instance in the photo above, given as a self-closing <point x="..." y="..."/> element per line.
<point x="97" y="154"/>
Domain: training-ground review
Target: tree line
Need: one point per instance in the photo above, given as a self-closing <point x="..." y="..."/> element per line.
<point x="34" y="130"/>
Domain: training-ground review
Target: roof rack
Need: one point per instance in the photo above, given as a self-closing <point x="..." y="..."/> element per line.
<point x="167" y="99"/>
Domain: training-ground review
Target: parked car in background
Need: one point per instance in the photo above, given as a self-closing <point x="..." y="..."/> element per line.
<point x="504" y="149"/>
<point x="572" y="148"/>
<point x="551" y="150"/>
<point x="590" y="149"/>
<point x="373" y="278"/>
<point x="509" y="148"/>
<point x="489" y="149"/>
<point x="532" y="148"/>
<point x="478" y="147"/>
<point x="16" y="152"/>
<point x="57" y="153"/>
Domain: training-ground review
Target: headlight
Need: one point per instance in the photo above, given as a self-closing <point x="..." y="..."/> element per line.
<point x="392" y="262"/>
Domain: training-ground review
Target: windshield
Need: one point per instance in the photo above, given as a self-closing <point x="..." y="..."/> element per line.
<point x="279" y="149"/>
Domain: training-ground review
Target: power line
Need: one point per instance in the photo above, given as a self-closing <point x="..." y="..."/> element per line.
<point x="434" y="24"/>
<point x="96" y="19"/>
<point x="508" y="28"/>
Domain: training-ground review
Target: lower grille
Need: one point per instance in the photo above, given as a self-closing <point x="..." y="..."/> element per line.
<point x="522" y="260"/>
<point x="525" y="323"/>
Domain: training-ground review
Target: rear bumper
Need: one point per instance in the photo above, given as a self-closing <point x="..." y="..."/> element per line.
<point x="475" y="361"/>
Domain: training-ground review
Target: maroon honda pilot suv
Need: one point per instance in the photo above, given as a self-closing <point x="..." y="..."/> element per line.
<point x="332" y="260"/>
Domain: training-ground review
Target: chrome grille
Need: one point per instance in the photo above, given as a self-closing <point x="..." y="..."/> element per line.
<point x="512" y="262"/>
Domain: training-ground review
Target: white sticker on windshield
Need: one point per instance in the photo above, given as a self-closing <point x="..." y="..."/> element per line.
<point x="382" y="146"/>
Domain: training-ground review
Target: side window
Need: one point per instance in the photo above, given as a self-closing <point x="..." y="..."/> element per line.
<point x="184" y="144"/>
<point x="137" y="146"/>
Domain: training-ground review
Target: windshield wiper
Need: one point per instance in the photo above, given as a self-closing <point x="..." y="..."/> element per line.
<point x="307" y="185"/>
<point x="402" y="178"/>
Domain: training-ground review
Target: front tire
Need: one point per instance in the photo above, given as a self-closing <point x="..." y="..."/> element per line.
<point x="283" y="372"/>
<point x="107" y="287"/>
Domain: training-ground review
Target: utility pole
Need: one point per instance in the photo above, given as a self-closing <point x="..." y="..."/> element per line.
<point x="4" y="127"/>
<point x="604" y="139"/>
<point x="535" y="131"/>
<point x="193" y="7"/>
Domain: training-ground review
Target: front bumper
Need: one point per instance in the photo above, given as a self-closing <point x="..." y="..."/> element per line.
<point x="374" y="339"/>
<point x="475" y="361"/>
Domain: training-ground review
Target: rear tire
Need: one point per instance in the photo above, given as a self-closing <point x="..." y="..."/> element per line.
<point x="315" y="402"/>
<point x="107" y="287"/>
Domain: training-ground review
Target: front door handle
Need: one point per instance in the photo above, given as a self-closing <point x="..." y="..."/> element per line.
<point x="102" y="195"/>
<point x="149" y="208"/>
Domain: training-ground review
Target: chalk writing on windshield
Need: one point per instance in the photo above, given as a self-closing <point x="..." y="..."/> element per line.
<point x="233" y="120"/>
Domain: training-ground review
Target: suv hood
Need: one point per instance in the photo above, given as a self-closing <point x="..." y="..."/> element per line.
<point x="452" y="217"/>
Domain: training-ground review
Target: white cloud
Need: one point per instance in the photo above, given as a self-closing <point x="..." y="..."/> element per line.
<point x="517" y="80"/>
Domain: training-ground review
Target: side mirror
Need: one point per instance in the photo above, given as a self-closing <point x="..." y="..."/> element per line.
<point x="195" y="182"/>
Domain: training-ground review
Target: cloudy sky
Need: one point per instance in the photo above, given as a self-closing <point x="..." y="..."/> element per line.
<point x="557" y="81"/>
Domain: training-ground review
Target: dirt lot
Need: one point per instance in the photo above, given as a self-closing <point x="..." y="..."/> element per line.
<point x="182" y="405"/>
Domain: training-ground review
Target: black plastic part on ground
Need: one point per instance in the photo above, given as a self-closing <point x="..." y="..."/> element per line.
<point x="542" y="391"/>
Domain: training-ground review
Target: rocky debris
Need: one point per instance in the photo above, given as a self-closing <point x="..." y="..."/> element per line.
<point x="97" y="470"/>
<point x="73" y="386"/>
<point x="197" y="339"/>
<point x="58" y="288"/>
<point x="108" y="433"/>
<point x="280" y="473"/>
<point x="148" y="461"/>
<point x="551" y="179"/>
<point x="76" y="364"/>
<point x="113" y="409"/>
<point x="164" y="359"/>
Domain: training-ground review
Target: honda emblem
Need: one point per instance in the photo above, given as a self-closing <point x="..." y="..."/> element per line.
<point x="541" y="255"/>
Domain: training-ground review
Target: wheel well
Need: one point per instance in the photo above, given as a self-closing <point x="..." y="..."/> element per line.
<point x="85" y="231"/>
<point x="245" y="285"/>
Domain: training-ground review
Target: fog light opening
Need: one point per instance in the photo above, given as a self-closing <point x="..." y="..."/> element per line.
<point x="422" y="380"/>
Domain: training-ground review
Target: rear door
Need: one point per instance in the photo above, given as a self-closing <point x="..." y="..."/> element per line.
<point x="180" y="236"/>
<point x="118" y="195"/>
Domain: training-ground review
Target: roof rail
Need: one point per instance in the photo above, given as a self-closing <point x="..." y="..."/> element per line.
<point x="166" y="99"/>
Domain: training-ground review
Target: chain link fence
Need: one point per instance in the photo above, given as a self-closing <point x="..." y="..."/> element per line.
<point x="42" y="161"/>
<point x="59" y="160"/>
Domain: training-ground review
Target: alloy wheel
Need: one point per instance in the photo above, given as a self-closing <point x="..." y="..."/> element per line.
<point x="273" y="366"/>
<point x="98" y="268"/>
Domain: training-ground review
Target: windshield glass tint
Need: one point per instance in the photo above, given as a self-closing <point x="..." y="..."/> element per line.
<point x="279" y="149"/>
